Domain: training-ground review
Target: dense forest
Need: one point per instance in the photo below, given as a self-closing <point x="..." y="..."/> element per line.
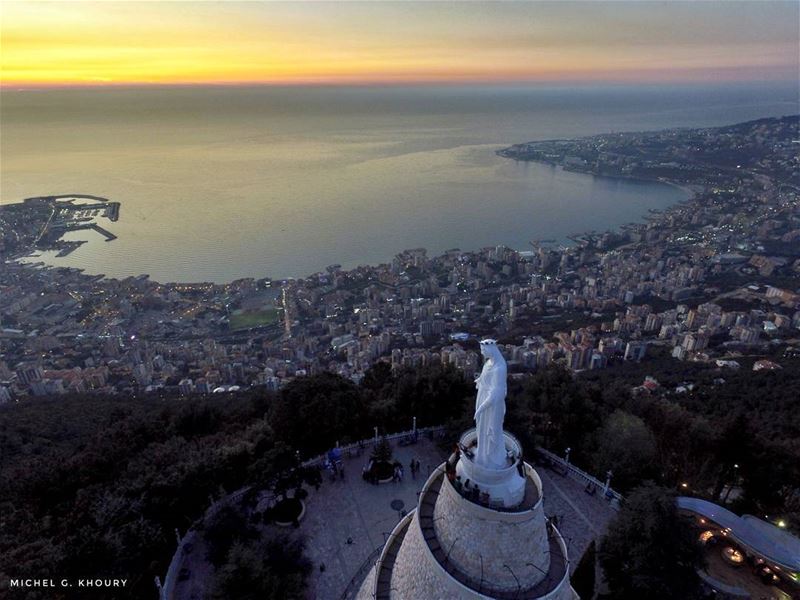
<point x="95" y="486"/>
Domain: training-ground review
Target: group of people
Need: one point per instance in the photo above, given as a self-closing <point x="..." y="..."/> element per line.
<point x="414" y="465"/>
<point x="334" y="465"/>
<point x="452" y="461"/>
<point x="470" y="491"/>
<point x="335" y="469"/>
<point x="371" y="475"/>
<point x="397" y="476"/>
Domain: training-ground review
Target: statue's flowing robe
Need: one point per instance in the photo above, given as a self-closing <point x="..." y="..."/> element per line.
<point x="491" y="451"/>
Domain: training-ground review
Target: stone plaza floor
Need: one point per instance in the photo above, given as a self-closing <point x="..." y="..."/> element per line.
<point x="367" y="513"/>
<point x="361" y="512"/>
<point x="347" y="522"/>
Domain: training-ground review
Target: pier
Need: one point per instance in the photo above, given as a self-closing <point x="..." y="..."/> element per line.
<point x="101" y="230"/>
<point x="66" y="216"/>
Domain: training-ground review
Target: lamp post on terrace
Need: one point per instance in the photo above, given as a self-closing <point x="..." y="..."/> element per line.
<point x="730" y="485"/>
<point x="566" y="454"/>
<point x="607" y="485"/>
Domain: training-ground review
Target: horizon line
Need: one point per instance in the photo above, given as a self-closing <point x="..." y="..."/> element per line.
<point x="377" y="83"/>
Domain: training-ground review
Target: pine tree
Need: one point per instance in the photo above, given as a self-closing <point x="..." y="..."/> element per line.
<point x="383" y="451"/>
<point x="649" y="552"/>
<point x="583" y="580"/>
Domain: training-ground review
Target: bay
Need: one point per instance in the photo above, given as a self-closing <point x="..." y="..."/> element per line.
<point x="218" y="183"/>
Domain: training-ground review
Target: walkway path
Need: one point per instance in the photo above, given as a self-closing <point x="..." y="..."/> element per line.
<point x="581" y="517"/>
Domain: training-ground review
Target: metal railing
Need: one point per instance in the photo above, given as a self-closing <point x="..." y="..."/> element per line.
<point x="579" y="475"/>
<point x="369" y="442"/>
<point x="355" y="581"/>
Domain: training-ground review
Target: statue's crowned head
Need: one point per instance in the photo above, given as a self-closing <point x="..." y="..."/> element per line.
<point x="489" y="348"/>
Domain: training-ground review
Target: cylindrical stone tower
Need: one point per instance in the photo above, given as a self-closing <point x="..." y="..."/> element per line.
<point x="454" y="545"/>
<point x="479" y="529"/>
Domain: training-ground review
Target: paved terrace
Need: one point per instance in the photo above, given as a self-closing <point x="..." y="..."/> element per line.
<point x="348" y="520"/>
<point x="363" y="512"/>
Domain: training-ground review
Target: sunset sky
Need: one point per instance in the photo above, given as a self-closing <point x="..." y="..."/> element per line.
<point x="69" y="43"/>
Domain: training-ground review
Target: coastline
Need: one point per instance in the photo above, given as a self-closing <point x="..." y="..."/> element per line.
<point x="678" y="253"/>
<point x="525" y="152"/>
<point x="684" y="187"/>
<point x="691" y="190"/>
<point x="564" y="240"/>
<point x="567" y="241"/>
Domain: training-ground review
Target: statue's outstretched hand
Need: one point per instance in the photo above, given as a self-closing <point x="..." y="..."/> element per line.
<point x="478" y="411"/>
<point x="482" y="408"/>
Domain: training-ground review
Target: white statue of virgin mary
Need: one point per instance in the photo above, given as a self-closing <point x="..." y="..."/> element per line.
<point x="490" y="408"/>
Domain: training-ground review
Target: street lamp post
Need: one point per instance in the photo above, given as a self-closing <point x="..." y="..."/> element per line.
<point x="607" y="485"/>
<point x="730" y="485"/>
